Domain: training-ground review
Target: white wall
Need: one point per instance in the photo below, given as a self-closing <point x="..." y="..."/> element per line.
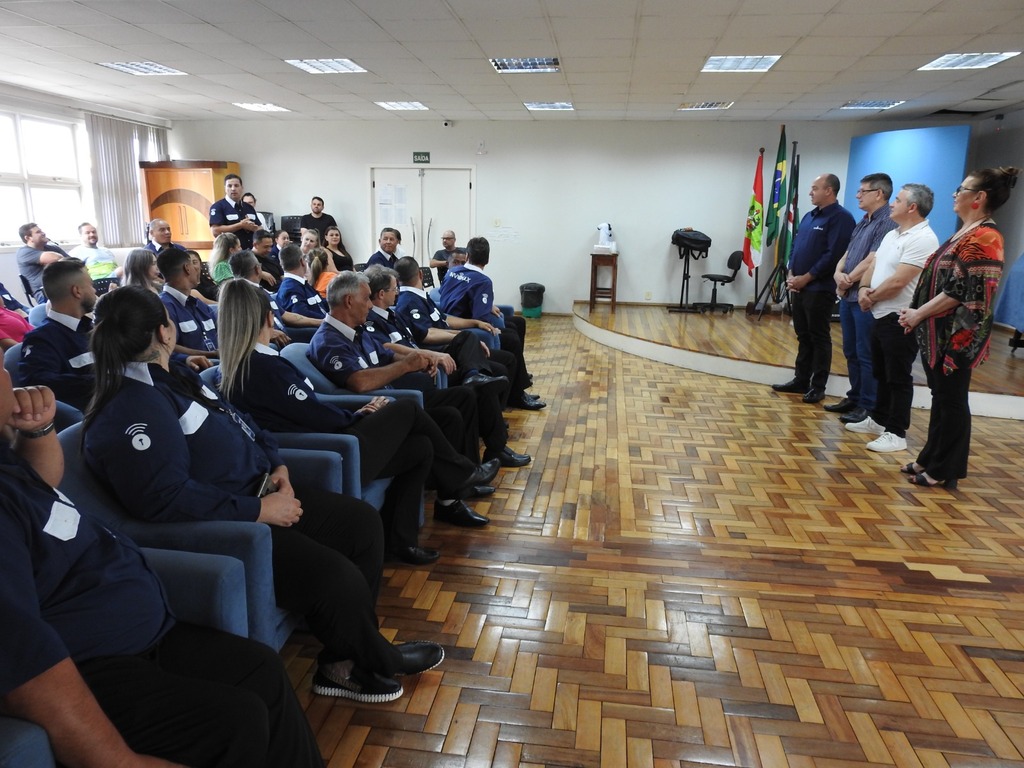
<point x="549" y="184"/>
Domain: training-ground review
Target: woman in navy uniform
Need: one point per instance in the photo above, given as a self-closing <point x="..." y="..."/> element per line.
<point x="172" y="450"/>
<point x="394" y="437"/>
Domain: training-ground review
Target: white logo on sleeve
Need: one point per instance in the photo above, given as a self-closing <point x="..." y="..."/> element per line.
<point x="297" y="392"/>
<point x="140" y="440"/>
<point x="336" y="362"/>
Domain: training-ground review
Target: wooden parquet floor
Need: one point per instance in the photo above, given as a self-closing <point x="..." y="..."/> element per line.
<point x="697" y="572"/>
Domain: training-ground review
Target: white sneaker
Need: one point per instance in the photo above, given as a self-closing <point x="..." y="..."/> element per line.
<point x="888" y="443"/>
<point x="866" y="426"/>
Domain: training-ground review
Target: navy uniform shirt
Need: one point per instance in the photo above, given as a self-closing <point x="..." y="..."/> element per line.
<point x="56" y="355"/>
<point x="172" y="451"/>
<point x="339" y="351"/>
<point x="197" y="326"/>
<point x="387" y="327"/>
<point x="280" y="399"/>
<point x="383" y="259"/>
<point x="467" y="292"/>
<point x="154" y="248"/>
<point x="420" y="312"/>
<point x="225" y="213"/>
<point x="10" y="302"/>
<point x="821" y="240"/>
<point x="298" y="296"/>
<point x="69" y="588"/>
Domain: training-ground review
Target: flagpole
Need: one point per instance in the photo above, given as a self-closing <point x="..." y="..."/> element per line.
<point x="759" y="187"/>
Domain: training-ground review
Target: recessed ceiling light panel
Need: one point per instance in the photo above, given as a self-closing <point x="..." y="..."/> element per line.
<point x="141" y="68"/>
<point x="548" y="106"/>
<point x="968" y="60"/>
<point x="739" y="63"/>
<point x="514" y="66"/>
<point x="703" y="105"/>
<point x="876" y="104"/>
<point x="255" y="107"/>
<point x="325" y="66"/>
<point x="401" y="106"/>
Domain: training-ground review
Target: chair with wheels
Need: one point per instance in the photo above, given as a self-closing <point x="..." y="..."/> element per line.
<point x="734" y="263"/>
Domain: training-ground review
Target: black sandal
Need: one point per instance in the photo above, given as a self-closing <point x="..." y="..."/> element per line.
<point x="919" y="478"/>
<point x="908" y="469"/>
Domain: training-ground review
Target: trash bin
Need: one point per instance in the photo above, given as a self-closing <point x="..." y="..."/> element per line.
<point x="532" y="296"/>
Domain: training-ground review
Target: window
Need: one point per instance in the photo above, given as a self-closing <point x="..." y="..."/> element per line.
<point x="40" y="177"/>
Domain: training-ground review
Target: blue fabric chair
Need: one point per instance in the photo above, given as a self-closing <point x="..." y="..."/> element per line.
<point x="248" y="542"/>
<point x="295" y="353"/>
<point x="66" y="414"/>
<point x="37" y="314"/>
<point x="201" y="589"/>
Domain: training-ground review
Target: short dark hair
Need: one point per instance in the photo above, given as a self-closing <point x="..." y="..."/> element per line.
<point x="379" y="277"/>
<point x="478" y="251"/>
<point x="290" y="257"/>
<point x="249" y="194"/>
<point x="260" y="234"/>
<point x="83" y="224"/>
<point x="243" y="263"/>
<point x="393" y="231"/>
<point x="59" y="276"/>
<point x="25" y="230"/>
<point x="832" y="181"/>
<point x="996" y="183"/>
<point x="170" y="261"/>
<point x="231" y="176"/>
<point x="880" y="181"/>
<point x="317" y="197"/>
<point x="407" y="268"/>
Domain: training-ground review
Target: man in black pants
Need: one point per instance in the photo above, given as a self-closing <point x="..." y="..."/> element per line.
<point x="90" y="650"/>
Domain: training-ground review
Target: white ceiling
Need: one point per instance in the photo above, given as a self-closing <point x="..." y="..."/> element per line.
<point x="621" y="59"/>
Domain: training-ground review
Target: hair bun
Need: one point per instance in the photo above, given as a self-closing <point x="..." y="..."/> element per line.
<point x="1010" y="173"/>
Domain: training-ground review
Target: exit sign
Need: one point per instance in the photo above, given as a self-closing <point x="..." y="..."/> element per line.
<point x="421" y="157"/>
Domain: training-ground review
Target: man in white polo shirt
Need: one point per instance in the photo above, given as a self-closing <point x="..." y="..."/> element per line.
<point x="886" y="288"/>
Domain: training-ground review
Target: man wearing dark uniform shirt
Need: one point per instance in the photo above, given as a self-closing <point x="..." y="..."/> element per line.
<point x="231" y="214"/>
<point x="388" y="242"/>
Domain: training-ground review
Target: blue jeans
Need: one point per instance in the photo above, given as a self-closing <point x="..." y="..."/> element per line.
<point x="856" y="325"/>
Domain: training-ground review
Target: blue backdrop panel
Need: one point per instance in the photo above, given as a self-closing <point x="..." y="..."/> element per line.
<point x="932" y="156"/>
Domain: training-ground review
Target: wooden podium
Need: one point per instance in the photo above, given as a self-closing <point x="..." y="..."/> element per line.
<point x="182" y="193"/>
<point x="598" y="260"/>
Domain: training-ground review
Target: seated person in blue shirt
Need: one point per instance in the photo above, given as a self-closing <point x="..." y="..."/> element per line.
<point x="468" y="293"/>
<point x="171" y="450"/>
<point x="196" y="324"/>
<point x="160" y="237"/>
<point x="293" y="326"/>
<point x="296" y="294"/>
<point x="396" y="438"/>
<point x="56" y="354"/>
<point x="90" y="650"/>
<point x="385" y="254"/>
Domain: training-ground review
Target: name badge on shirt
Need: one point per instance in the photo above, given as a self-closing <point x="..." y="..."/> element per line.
<point x="435" y="315"/>
<point x="251" y="216"/>
<point x="395" y="336"/>
<point x="373" y="357"/>
<point x="63" y="522"/>
<point x="82" y="360"/>
<point x="232" y="217"/>
<point x="362" y="363"/>
<point x="188" y="326"/>
<point x="208" y="325"/>
<point x="313" y="301"/>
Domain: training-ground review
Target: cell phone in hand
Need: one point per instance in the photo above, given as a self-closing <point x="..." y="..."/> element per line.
<point x="266" y="485"/>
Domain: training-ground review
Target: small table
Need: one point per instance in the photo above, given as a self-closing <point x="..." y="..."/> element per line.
<point x="598" y="260"/>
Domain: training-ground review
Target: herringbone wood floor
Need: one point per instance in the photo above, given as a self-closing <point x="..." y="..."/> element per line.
<point x="695" y="572"/>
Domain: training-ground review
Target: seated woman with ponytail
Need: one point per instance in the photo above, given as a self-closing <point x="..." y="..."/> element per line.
<point x="396" y="439"/>
<point x="171" y="450"/>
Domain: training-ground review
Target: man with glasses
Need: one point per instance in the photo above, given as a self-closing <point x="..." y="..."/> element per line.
<point x="442" y="259"/>
<point x="822" y="237"/>
<point x="872" y="198"/>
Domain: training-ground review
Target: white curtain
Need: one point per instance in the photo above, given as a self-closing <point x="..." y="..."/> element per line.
<point x="117" y="146"/>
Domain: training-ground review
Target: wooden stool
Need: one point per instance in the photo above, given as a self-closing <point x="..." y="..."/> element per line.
<point x="598" y="260"/>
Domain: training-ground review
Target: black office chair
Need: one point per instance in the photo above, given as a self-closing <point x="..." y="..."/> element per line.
<point x="29" y="293"/>
<point x="293" y="226"/>
<point x="360" y="267"/>
<point x="427" y="275"/>
<point x="734" y="263"/>
<point x="104" y="284"/>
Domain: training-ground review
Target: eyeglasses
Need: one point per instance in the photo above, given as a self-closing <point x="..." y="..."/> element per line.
<point x="962" y="188"/>
<point x="869" y="189"/>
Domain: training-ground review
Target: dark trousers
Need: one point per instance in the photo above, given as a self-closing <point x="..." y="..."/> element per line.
<point x="944" y="456"/>
<point x="892" y="354"/>
<point x="327" y="568"/>
<point x="205" y="698"/>
<point x="389" y="437"/>
<point x="512" y="343"/>
<point x="435" y="400"/>
<point x="812" y="317"/>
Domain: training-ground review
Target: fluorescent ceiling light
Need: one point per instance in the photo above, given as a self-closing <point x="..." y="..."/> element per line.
<point x="325" y="66"/>
<point x="254" y="107"/>
<point x="704" y="105"/>
<point x="739" y="63"/>
<point x="548" y="106"/>
<point x="875" y="104"/>
<point x="141" y="68"/>
<point x="968" y="60"/>
<point x="401" y="106"/>
<point x="514" y="66"/>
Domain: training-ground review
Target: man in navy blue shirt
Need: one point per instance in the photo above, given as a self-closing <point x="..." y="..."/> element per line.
<point x="820" y="242"/>
<point x="90" y="651"/>
<point x="56" y="354"/>
<point x="160" y="237"/>
<point x="388" y="242"/>
<point x="197" y="326"/>
<point x="296" y="294"/>
<point x="232" y="214"/>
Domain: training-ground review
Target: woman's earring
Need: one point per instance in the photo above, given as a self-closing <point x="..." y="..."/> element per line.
<point x="975" y="205"/>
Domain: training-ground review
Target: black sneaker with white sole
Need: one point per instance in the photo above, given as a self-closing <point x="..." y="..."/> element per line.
<point x="419" y="656"/>
<point x="367" y="687"/>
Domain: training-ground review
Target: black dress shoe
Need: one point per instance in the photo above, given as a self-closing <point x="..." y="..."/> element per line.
<point x="793" y="386"/>
<point x="857" y="414"/>
<point x="524" y="403"/>
<point x="843" y="406"/>
<point x="417" y="555"/>
<point x="510" y="458"/>
<point x="458" y="514"/>
<point x="482" y="475"/>
<point x="419" y="656"/>
<point x="814" y="395"/>
<point x="479" y="491"/>
<point x="482" y="381"/>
